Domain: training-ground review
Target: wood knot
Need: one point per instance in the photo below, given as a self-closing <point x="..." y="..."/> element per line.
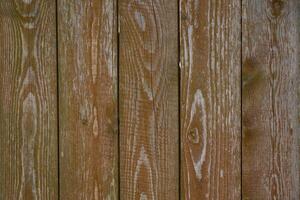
<point x="193" y="136"/>
<point x="84" y="115"/>
<point x="277" y="7"/>
<point x="84" y="120"/>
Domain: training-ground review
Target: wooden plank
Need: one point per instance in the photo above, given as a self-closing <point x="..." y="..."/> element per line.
<point x="88" y="99"/>
<point x="210" y="99"/>
<point x="270" y="124"/>
<point x="28" y="108"/>
<point x="149" y="157"/>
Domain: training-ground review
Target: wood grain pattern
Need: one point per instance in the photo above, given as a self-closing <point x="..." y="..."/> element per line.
<point x="210" y="99"/>
<point x="28" y="125"/>
<point x="88" y="99"/>
<point x="219" y="120"/>
<point x="270" y="123"/>
<point x="149" y="156"/>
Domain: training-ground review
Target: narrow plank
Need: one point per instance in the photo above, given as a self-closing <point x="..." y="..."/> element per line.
<point x="210" y="99"/>
<point x="270" y="123"/>
<point x="88" y="99"/>
<point x="149" y="157"/>
<point x="28" y="108"/>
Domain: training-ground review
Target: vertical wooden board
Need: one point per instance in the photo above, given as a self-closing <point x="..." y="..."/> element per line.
<point x="87" y="33"/>
<point x="28" y="108"/>
<point x="270" y="78"/>
<point x="149" y="157"/>
<point x="210" y="99"/>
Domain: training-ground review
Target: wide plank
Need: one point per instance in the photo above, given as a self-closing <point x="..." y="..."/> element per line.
<point x="28" y="100"/>
<point x="210" y="105"/>
<point x="87" y="43"/>
<point x="149" y="130"/>
<point x="270" y="114"/>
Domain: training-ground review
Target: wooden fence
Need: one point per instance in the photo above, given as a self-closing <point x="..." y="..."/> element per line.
<point x="149" y="99"/>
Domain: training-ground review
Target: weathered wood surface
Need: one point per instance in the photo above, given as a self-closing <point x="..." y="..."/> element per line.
<point x="193" y="139"/>
<point x="210" y="99"/>
<point x="87" y="42"/>
<point x="149" y="156"/>
<point x="28" y="124"/>
<point x="270" y="83"/>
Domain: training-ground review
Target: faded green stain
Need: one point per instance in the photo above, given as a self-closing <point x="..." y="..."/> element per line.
<point x="251" y="74"/>
<point x="253" y="79"/>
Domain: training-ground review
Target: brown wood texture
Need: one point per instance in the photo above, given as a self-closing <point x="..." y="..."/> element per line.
<point x="87" y="43"/>
<point x="270" y="83"/>
<point x="149" y="157"/>
<point x="210" y="99"/>
<point x="149" y="99"/>
<point x="28" y="108"/>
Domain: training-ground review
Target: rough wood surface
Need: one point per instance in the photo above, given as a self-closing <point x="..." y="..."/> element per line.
<point x="28" y="125"/>
<point x="270" y="78"/>
<point x="88" y="99"/>
<point x="231" y="131"/>
<point x="149" y="157"/>
<point x="210" y="99"/>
